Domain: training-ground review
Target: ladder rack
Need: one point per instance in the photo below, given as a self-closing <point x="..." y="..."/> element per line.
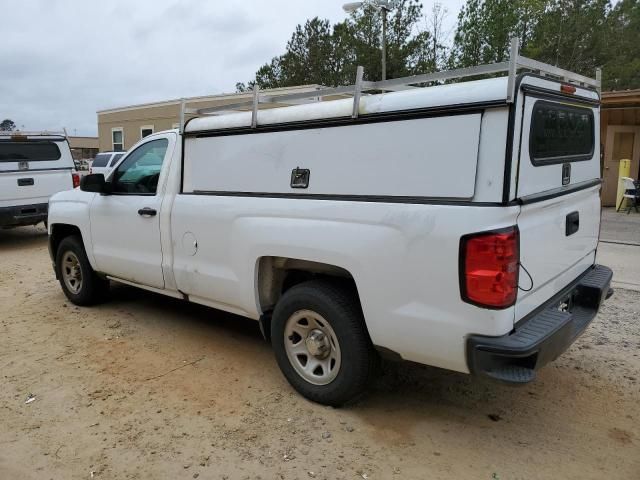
<point x="516" y="62"/>
<point x="34" y="133"/>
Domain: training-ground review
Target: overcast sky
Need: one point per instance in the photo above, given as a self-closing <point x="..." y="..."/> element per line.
<point x="63" y="60"/>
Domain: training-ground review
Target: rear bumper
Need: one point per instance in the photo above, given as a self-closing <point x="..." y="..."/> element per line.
<point x="23" y="215"/>
<point x="543" y="335"/>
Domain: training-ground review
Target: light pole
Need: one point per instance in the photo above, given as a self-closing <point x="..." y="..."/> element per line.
<point x="384" y="6"/>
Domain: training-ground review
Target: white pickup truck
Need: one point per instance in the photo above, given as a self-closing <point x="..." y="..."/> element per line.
<point x="33" y="166"/>
<point x="454" y="225"/>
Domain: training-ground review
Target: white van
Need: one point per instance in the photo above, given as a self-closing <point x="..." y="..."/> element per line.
<point x="453" y="225"/>
<point x="33" y="166"/>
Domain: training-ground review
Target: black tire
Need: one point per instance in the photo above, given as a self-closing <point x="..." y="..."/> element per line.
<point x="93" y="289"/>
<point x="337" y="303"/>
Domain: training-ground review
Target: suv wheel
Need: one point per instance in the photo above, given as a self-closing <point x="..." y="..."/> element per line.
<point x="321" y="343"/>
<point x="79" y="282"/>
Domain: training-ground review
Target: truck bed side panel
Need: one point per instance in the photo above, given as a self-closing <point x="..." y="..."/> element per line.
<point x="401" y="256"/>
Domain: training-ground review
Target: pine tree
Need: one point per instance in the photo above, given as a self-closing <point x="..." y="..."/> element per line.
<point x="319" y="53"/>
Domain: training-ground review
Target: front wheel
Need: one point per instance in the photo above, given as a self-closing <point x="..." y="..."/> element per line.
<point x="79" y="282"/>
<point x="321" y="343"/>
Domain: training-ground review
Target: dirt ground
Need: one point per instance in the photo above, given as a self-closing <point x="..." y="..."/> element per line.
<point x="146" y="387"/>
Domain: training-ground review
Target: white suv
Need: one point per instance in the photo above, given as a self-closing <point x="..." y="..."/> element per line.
<point x="104" y="162"/>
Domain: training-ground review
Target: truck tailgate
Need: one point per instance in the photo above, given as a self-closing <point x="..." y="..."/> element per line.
<point x="558" y="187"/>
<point x="32" y="187"/>
<point x="550" y="255"/>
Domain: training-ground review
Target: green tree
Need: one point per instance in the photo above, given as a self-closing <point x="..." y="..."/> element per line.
<point x="578" y="35"/>
<point x="320" y="53"/>
<point x="270" y="75"/>
<point x="437" y="37"/>
<point x="485" y="29"/>
<point x="407" y="43"/>
<point x="309" y="54"/>
<point x="7" y="125"/>
<point x="307" y="59"/>
<point x="469" y="38"/>
<point x="621" y="63"/>
<point x="241" y="87"/>
<point x="573" y="34"/>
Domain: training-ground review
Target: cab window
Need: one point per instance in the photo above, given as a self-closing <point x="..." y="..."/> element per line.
<point x="138" y="174"/>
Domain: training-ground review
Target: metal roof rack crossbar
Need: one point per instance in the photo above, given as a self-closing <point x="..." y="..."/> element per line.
<point x="34" y="133"/>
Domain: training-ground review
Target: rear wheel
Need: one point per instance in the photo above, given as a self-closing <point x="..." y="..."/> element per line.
<point x="79" y="282"/>
<point x="321" y="343"/>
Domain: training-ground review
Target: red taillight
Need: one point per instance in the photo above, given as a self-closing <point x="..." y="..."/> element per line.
<point x="564" y="88"/>
<point x="489" y="268"/>
<point x="76" y="180"/>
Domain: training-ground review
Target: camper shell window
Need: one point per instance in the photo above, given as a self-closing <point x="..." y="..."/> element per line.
<point x="560" y="133"/>
<point x="29" y="151"/>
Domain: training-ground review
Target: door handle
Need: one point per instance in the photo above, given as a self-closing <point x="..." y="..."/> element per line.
<point x="572" y="223"/>
<point x="147" y="212"/>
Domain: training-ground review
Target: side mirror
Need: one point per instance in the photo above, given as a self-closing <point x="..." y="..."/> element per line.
<point x="94" y="183"/>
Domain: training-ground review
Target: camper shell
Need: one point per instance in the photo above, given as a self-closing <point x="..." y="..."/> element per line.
<point x="33" y="167"/>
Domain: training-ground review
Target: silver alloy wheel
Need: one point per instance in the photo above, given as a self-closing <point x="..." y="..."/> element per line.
<point x="312" y="347"/>
<point x="71" y="272"/>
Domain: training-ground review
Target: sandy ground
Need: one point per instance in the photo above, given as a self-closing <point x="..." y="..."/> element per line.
<point x="145" y="387"/>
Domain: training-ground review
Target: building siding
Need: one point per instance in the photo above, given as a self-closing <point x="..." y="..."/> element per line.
<point x="619" y="138"/>
<point x="161" y="118"/>
<point x="83" y="147"/>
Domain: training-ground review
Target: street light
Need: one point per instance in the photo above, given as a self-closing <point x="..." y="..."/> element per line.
<point x="384" y="6"/>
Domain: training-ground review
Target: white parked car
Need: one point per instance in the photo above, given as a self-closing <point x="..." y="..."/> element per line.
<point x="454" y="226"/>
<point x="104" y="162"/>
<point x="33" y="166"/>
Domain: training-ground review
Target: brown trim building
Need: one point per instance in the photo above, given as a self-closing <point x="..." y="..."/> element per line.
<point x="83" y="147"/>
<point x="619" y="137"/>
<point x="120" y="128"/>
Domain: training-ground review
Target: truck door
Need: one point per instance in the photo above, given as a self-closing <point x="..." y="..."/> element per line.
<point x="558" y="186"/>
<point x="125" y="225"/>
